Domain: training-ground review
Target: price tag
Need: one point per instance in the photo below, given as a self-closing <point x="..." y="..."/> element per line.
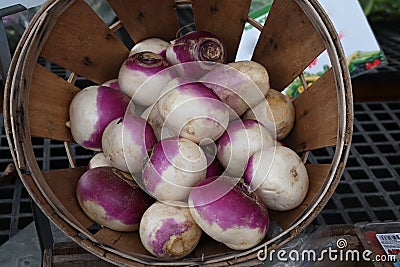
<point x="390" y="243"/>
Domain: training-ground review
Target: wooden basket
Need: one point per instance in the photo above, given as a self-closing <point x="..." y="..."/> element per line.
<point x="70" y="34"/>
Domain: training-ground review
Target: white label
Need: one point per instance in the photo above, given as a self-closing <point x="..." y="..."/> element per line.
<point x="390" y="243"/>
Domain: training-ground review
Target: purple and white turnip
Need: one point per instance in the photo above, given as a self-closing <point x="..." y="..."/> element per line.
<point x="126" y="142"/>
<point x="227" y="214"/>
<point x="167" y="230"/>
<point x="112" y="199"/>
<point x="193" y="111"/>
<point x="241" y="85"/>
<point x="240" y="141"/>
<point x="176" y="164"/>
<point x="278" y="176"/>
<point x="196" y="53"/>
<point x="91" y="110"/>
<point x="143" y="75"/>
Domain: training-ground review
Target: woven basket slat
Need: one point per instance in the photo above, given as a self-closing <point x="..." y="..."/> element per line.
<point x="127" y="242"/>
<point x="142" y="20"/>
<point x="82" y="43"/>
<point x="316" y="174"/>
<point x="287" y="44"/>
<point x="50" y="97"/>
<point x="108" y="236"/>
<point x="210" y="247"/>
<point x="316" y="123"/>
<point x="62" y="183"/>
<point x="130" y="243"/>
<point x="120" y="261"/>
<point x="224" y="18"/>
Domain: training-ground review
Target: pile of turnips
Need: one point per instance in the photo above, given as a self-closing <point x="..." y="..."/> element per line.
<point x="187" y="144"/>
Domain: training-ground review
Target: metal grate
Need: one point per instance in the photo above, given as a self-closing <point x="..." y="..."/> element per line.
<point x="15" y="207"/>
<point x="370" y="187"/>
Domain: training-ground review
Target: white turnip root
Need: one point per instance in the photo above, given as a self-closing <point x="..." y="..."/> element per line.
<point x="143" y="75"/>
<point x="240" y="141"/>
<point x="155" y="45"/>
<point x="277" y="114"/>
<point x="279" y="177"/>
<point x="91" y="110"/>
<point x="126" y="142"/>
<point x="227" y="214"/>
<point x="203" y="49"/>
<point x="241" y="85"/>
<point x="175" y="165"/>
<point x="167" y="230"/>
<point x="153" y="117"/>
<point x="193" y="111"/>
<point x="99" y="160"/>
<point x="112" y="199"/>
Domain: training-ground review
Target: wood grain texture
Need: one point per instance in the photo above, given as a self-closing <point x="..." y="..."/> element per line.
<point x="225" y="18"/>
<point x="130" y="243"/>
<point x="82" y="43"/>
<point x="288" y="43"/>
<point x="49" y="100"/>
<point x="317" y="174"/>
<point x="62" y="185"/>
<point x="143" y="19"/>
<point x="316" y="122"/>
<point x="107" y="236"/>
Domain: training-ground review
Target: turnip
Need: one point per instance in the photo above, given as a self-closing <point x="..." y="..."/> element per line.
<point x="112" y="84"/>
<point x="153" y="117"/>
<point x="241" y="85"/>
<point x="175" y="165"/>
<point x="227" y="214"/>
<point x="126" y="142"/>
<point x="155" y="45"/>
<point x="240" y="141"/>
<point x="167" y="230"/>
<point x="99" y="160"/>
<point x="91" y="110"/>
<point x="279" y="177"/>
<point x="202" y="48"/>
<point x="175" y="83"/>
<point x="193" y="111"/>
<point x="213" y="166"/>
<point x="112" y="199"/>
<point x="143" y="75"/>
<point x="277" y="114"/>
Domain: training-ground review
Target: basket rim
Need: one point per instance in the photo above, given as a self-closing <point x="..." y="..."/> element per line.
<point x="325" y="28"/>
